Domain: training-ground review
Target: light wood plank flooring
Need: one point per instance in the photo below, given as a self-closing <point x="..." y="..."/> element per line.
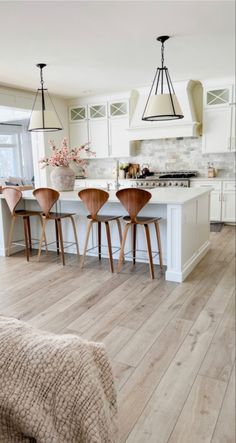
<point x="171" y="345"/>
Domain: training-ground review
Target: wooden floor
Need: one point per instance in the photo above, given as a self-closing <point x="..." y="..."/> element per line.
<point x="171" y="345"/>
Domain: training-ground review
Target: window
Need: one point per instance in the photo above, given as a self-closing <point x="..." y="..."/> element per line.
<point x="10" y="153"/>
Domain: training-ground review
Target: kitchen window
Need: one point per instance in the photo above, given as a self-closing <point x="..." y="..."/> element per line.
<point x="10" y="155"/>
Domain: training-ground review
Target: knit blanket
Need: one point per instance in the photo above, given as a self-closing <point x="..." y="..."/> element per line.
<point x="54" y="388"/>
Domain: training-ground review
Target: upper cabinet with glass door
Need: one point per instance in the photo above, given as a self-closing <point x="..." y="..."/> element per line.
<point x="218" y="119"/>
<point x="119" y="144"/>
<point x="104" y="125"/>
<point x="78" y="126"/>
<point x="218" y="96"/>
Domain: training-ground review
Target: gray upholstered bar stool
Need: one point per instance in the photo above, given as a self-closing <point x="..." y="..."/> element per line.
<point x="134" y="200"/>
<point x="13" y="197"/>
<point x="46" y="198"/>
<point x="94" y="199"/>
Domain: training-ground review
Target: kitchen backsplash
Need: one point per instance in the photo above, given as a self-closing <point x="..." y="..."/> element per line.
<point x="168" y="154"/>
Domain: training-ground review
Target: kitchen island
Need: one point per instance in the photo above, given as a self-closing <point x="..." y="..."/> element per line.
<point x="185" y="226"/>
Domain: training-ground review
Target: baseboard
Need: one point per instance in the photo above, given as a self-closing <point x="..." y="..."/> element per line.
<point x="180" y="276"/>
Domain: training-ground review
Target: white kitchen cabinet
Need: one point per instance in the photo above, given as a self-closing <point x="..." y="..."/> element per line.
<point x="223" y="198"/>
<point x="233" y="124"/>
<point x="79" y="129"/>
<point x="216" y="196"/>
<point x="228" y="201"/>
<point x="119" y="145"/>
<point x="89" y="124"/>
<point x="215" y="208"/>
<point x="104" y="125"/>
<point x="218" y="120"/>
<point x="98" y="137"/>
<point x="217" y="130"/>
<point x="98" y="129"/>
<point x="228" y="207"/>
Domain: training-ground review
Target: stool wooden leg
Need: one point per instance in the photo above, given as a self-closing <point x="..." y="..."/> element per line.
<point x="89" y="226"/>
<point x="57" y="238"/>
<point x="134" y="227"/>
<point x="43" y="236"/>
<point x="157" y="227"/>
<point x="26" y="237"/>
<point x="75" y="234"/>
<point x="29" y="233"/>
<point x="109" y="246"/>
<point x="61" y="240"/>
<point x="122" y="249"/>
<point x="149" y="249"/>
<point x="119" y="230"/>
<point x="13" y="220"/>
<point x="99" y="239"/>
<point x="45" y="240"/>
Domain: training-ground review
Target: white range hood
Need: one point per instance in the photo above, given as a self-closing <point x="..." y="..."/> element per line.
<point x="189" y="94"/>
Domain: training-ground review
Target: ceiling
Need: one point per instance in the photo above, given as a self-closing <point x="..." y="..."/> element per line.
<point x="95" y="47"/>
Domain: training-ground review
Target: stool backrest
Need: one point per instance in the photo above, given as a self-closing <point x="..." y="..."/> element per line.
<point x="46" y="198"/>
<point x="12" y="197"/>
<point x="133" y="200"/>
<point x="93" y="199"/>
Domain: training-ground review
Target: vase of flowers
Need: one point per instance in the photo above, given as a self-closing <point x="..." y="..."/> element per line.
<point x="62" y="176"/>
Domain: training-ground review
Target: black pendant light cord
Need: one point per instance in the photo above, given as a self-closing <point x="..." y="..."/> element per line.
<point x="41" y="66"/>
<point x="162" y="65"/>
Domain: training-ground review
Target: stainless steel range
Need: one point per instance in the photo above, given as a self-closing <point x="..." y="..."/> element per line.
<point x="166" y="179"/>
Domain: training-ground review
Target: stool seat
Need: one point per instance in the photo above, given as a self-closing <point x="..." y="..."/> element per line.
<point x="104" y="218"/>
<point x="141" y="220"/>
<point x="25" y="212"/>
<point x="57" y="215"/>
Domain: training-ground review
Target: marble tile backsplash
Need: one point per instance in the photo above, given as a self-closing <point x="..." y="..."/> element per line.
<point x="168" y="154"/>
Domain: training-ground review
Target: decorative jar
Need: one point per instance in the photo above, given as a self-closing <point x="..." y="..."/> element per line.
<point x="63" y="178"/>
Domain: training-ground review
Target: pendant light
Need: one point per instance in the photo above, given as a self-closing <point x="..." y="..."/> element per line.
<point x="162" y="103"/>
<point x="43" y="116"/>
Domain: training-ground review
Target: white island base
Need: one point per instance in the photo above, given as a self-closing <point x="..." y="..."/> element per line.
<point x="185" y="226"/>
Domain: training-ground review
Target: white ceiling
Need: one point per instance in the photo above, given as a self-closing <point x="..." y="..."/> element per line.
<point x="95" y="47"/>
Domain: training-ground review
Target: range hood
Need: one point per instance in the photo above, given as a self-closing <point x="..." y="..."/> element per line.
<point x="189" y="94"/>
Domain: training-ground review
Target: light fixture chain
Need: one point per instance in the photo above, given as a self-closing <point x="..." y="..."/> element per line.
<point x="162" y="54"/>
<point x="41" y="76"/>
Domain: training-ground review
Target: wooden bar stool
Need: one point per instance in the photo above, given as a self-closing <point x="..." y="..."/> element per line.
<point x="46" y="198"/>
<point x="94" y="199"/>
<point x="134" y="200"/>
<point x="13" y="197"/>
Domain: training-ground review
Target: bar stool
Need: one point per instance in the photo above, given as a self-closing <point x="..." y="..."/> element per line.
<point x="46" y="198"/>
<point x="13" y="197"/>
<point x="134" y="200"/>
<point x="94" y="199"/>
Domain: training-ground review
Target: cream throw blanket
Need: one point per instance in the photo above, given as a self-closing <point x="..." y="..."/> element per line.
<point x="54" y="388"/>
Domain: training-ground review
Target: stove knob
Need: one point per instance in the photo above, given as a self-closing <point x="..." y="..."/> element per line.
<point x="181" y="184"/>
<point x="169" y="184"/>
<point x="146" y="184"/>
<point x="176" y="183"/>
<point x="164" y="184"/>
<point x="141" y="184"/>
<point x="153" y="184"/>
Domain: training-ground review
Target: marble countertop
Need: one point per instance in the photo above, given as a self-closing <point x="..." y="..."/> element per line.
<point x="213" y="179"/>
<point x="178" y="196"/>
